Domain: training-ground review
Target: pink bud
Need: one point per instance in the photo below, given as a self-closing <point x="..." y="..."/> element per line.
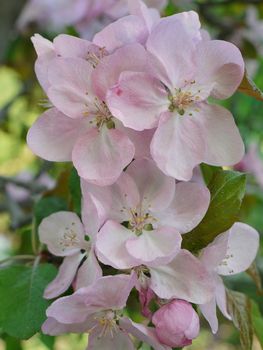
<point x="176" y="323"/>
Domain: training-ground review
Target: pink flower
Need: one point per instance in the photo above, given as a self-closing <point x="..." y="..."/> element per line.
<point x="231" y="252"/>
<point x="98" y="310"/>
<point x="172" y="96"/>
<point x="154" y="211"/>
<point x="81" y="128"/>
<point x="64" y="235"/>
<point x="176" y="323"/>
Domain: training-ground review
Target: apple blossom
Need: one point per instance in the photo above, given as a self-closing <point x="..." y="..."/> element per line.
<point x="98" y="310"/>
<point x="64" y="235"/>
<point x="172" y="96"/>
<point x="154" y="211"/>
<point x="230" y="253"/>
<point x="176" y="323"/>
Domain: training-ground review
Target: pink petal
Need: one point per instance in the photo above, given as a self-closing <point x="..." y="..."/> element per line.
<point x="72" y="46"/>
<point x="215" y="252"/>
<point x="63" y="233"/>
<point x="178" y="145"/>
<point x="118" y="341"/>
<point x="101" y="156"/>
<point x="129" y="102"/>
<point x="108" y="293"/>
<point x="221" y="298"/>
<point x="65" y="276"/>
<point x="126" y="30"/>
<point x="238" y="257"/>
<point x="90" y="217"/>
<point x="143" y="333"/>
<point x="53" y="327"/>
<point x="42" y="45"/>
<point x="113" y="202"/>
<point x="184" y="278"/>
<point x="209" y="312"/>
<point x="53" y="135"/>
<point x="224" y="145"/>
<point x="107" y="73"/>
<point x="110" y="246"/>
<point x="89" y="271"/>
<point x="188" y="207"/>
<point x="174" y="63"/>
<point x="156" y="189"/>
<point x="141" y="141"/>
<point x="70" y="86"/>
<point x="156" y="247"/>
<point x="219" y="62"/>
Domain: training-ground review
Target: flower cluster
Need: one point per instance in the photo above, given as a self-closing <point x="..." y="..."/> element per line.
<point x="131" y="109"/>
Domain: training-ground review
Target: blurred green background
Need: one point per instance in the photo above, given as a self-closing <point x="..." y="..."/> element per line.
<point x="24" y="177"/>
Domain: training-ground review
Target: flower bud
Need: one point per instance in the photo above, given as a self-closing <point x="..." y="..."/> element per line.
<point x="176" y="323"/>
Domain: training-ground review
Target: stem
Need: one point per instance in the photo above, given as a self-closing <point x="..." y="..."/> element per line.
<point x="17" y="257"/>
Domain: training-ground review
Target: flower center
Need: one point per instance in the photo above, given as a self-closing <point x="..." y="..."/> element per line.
<point x="94" y="57"/>
<point x="107" y="322"/>
<point x="69" y="239"/>
<point x="183" y="99"/>
<point x="102" y="113"/>
<point x="140" y="221"/>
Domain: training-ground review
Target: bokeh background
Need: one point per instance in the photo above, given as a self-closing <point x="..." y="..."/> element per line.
<point x="24" y="178"/>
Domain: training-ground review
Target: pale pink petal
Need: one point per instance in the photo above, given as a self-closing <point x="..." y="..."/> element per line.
<point x="143" y="333"/>
<point x="89" y="271"/>
<point x="110" y="246"/>
<point x="149" y="15"/>
<point x="42" y="45"/>
<point x="70" y="309"/>
<point x="221" y="298"/>
<point x="188" y="207"/>
<point x="101" y="156"/>
<point x="138" y="100"/>
<point x="108" y="293"/>
<point x="72" y="46"/>
<point x="107" y="73"/>
<point x="70" y="86"/>
<point x="63" y="233"/>
<point x="119" y="340"/>
<point x="212" y="255"/>
<point x="178" y="145"/>
<point x="90" y="217"/>
<point x="174" y="63"/>
<point x="209" y="312"/>
<point x="53" y="327"/>
<point x="224" y="145"/>
<point x="141" y="141"/>
<point x="219" y="63"/>
<point x="66" y="273"/>
<point x="157" y="247"/>
<point x="126" y="30"/>
<point x="243" y="244"/>
<point x="156" y="189"/>
<point x="184" y="278"/>
<point x="53" y="135"/>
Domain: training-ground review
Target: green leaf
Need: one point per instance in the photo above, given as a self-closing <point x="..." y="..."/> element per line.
<point x="227" y="190"/>
<point x="75" y="190"/>
<point x="208" y="171"/>
<point x="249" y="88"/>
<point x="48" y="341"/>
<point x="257" y="321"/>
<point x="47" y="206"/>
<point x="254" y="273"/>
<point x="239" y="307"/>
<point x="22" y="307"/>
<point x="12" y="343"/>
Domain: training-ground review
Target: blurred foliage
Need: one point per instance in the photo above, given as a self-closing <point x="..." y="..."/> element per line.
<point x="28" y="184"/>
